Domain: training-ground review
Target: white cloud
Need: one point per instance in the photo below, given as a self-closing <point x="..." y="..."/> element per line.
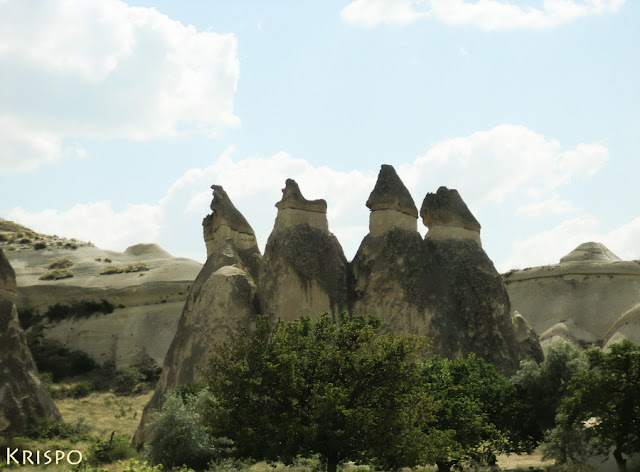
<point x="107" y="70"/>
<point x="508" y="170"/>
<point x="547" y="247"/>
<point x="484" y="14"/>
<point x="97" y="222"/>
<point x="506" y="161"/>
<point x="371" y="13"/>
<point x="553" y="206"/>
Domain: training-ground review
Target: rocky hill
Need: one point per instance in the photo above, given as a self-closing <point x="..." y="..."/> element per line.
<point x="114" y="306"/>
<point x="23" y="396"/>
<point x="590" y="298"/>
<point x="444" y="286"/>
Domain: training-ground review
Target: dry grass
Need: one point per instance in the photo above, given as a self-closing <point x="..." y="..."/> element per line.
<point x="62" y="263"/>
<point x="56" y="274"/>
<point x="135" y="267"/>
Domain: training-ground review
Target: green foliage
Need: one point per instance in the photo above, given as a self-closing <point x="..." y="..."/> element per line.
<point x="39" y="245"/>
<point x="117" y="447"/>
<point x="476" y="411"/>
<point x="29" y="317"/>
<point x="78" y="309"/>
<point x="62" y="263"/>
<point x="331" y="388"/>
<point x="543" y="387"/>
<point x="61" y="361"/>
<point x="568" y="445"/>
<point x="126" y="381"/>
<point x="149" y="368"/>
<point x="179" y="436"/>
<point x="48" y="428"/>
<point x="604" y="400"/>
<point x="56" y="274"/>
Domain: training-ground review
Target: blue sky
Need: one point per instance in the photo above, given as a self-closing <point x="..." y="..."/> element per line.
<point x="116" y="117"/>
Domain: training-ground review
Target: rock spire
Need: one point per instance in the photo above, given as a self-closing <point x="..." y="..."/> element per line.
<point x="391" y="204"/>
<point x="448" y="217"/>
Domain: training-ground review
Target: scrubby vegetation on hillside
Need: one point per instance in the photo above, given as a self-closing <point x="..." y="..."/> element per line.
<point x="134" y="267"/>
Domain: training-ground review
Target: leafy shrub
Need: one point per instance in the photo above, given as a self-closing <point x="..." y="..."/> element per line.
<point x="29" y="317"/>
<point x="39" y="245"/>
<point x="62" y="263"/>
<point x="81" y="309"/>
<point x="25" y="241"/>
<point x="56" y="274"/>
<point x="178" y="435"/>
<point x="126" y="381"/>
<point x="148" y="367"/>
<point x="60" y="361"/>
<point x="41" y="428"/>
<point x="117" y="447"/>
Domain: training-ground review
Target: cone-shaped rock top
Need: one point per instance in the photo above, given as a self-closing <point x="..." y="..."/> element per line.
<point x="225" y="213"/>
<point x="446" y="207"/>
<point x="292" y="199"/>
<point x="590" y="252"/>
<point x="391" y="194"/>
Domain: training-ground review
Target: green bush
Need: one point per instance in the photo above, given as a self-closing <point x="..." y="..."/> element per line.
<point x="126" y="381"/>
<point x="60" y="361"/>
<point x="39" y="245"/>
<point x="79" y="309"/>
<point x="117" y="447"/>
<point x="148" y="368"/>
<point x="40" y="428"/>
<point x="179" y="437"/>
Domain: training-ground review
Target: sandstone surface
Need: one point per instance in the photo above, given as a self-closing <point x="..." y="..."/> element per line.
<point x="448" y="217"/>
<point x="23" y="396"/>
<point x="582" y="299"/>
<point x="444" y="287"/>
<point x="221" y="302"/>
<point x="145" y="302"/>
<point x="304" y="270"/>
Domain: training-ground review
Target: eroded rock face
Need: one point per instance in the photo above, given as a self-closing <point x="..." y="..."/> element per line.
<point x="444" y="287"/>
<point x="448" y="217"/>
<point x="527" y="338"/>
<point x="23" y="396"/>
<point x="304" y="270"/>
<point x="391" y="204"/>
<point x="582" y="299"/>
<point x="226" y="222"/>
<point x="221" y="303"/>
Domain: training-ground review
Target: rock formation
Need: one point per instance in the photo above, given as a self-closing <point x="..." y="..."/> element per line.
<point x="23" y="396"/>
<point x="391" y="204"/>
<point x="590" y="298"/>
<point x="527" y="338"/>
<point x="444" y="287"/>
<point x="227" y="222"/>
<point x="142" y="291"/>
<point x="221" y="302"/>
<point x="447" y="217"/>
<point x="304" y="270"/>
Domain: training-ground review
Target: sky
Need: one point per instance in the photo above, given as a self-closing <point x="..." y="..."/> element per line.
<point x="116" y="117"/>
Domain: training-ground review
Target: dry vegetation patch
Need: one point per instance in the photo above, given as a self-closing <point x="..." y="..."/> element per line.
<point x="56" y="274"/>
<point x="134" y="267"/>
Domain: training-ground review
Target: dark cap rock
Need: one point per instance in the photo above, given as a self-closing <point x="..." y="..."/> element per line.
<point x="292" y="198"/>
<point x="391" y="194"/>
<point x="446" y="207"/>
<point x="225" y="213"/>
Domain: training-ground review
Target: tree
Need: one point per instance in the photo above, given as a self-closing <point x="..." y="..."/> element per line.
<point x="544" y="386"/>
<point x="604" y="401"/>
<point x="476" y="406"/>
<point x="329" y="387"/>
<point x="178" y="434"/>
